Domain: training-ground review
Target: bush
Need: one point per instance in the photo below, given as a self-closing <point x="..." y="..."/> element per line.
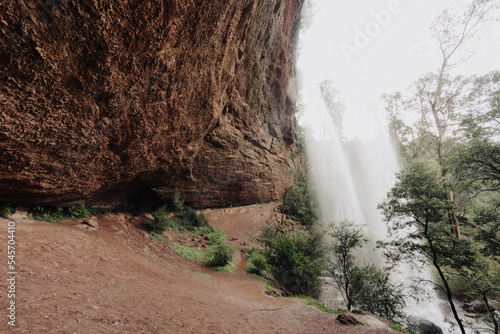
<point x="192" y="219"/>
<point x="220" y="254"/>
<point x="178" y="202"/>
<point x="160" y="222"/>
<point x="256" y="261"/>
<point x="78" y="211"/>
<point x="6" y="210"/>
<point x="298" y="201"/>
<point x="291" y="267"/>
<point x="216" y="237"/>
<point x="48" y="214"/>
<point x="375" y="293"/>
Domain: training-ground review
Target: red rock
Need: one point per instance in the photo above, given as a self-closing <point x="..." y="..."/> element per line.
<point x="104" y="100"/>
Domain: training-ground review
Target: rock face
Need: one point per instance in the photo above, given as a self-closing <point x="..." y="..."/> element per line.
<point x="103" y="99"/>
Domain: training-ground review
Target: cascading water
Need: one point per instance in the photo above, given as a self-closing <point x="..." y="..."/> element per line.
<point x="350" y="177"/>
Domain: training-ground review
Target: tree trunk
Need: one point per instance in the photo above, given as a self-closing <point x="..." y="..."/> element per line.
<point x="455" y="228"/>
<point x="491" y="311"/>
<point x="446" y="287"/>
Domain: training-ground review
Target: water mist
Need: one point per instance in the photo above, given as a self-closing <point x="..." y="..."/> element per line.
<point x="350" y="177"/>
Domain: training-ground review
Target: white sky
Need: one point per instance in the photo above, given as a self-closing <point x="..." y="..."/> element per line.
<point x="396" y="55"/>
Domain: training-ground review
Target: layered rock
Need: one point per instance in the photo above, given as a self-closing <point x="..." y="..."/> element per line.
<point x="104" y="99"/>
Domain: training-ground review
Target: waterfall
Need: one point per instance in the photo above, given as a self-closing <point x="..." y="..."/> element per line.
<point x="351" y="176"/>
<point x="350" y="179"/>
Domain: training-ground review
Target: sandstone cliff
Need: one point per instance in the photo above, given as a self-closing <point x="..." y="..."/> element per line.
<point x="101" y="99"/>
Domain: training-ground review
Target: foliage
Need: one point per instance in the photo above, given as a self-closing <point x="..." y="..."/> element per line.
<point x="298" y="201"/>
<point x="192" y="219"/>
<point x="476" y="165"/>
<point x="178" y="202"/>
<point x="322" y="307"/>
<point x="310" y="241"/>
<point x="335" y="108"/>
<point x="256" y="261"/>
<point x="416" y="210"/>
<point x="216" y="237"/>
<point x="220" y="254"/>
<point x="188" y="252"/>
<point x="207" y="276"/>
<point x="398" y="328"/>
<point x="160" y="221"/>
<point x="269" y="284"/>
<point x="228" y="268"/>
<point x="78" y="211"/>
<point x="54" y="214"/>
<point x="347" y="238"/>
<point x="293" y="268"/>
<point x="6" y="210"/>
<point x="374" y="292"/>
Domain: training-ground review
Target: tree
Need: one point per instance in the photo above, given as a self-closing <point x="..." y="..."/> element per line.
<point x="417" y="212"/>
<point x="298" y="201"/>
<point x="484" y="278"/>
<point x="336" y="108"/>
<point x="377" y="294"/>
<point x="293" y="268"/>
<point x="347" y="238"/>
<point x="438" y="97"/>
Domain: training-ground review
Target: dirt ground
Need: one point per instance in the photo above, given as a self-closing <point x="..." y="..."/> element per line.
<point x="111" y="278"/>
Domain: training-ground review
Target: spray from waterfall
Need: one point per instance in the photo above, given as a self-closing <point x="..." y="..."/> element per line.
<point x="351" y="176"/>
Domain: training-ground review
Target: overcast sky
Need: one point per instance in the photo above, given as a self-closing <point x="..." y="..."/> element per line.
<point x="367" y="52"/>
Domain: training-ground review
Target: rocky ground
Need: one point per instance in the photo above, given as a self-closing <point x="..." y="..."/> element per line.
<point x="111" y="278"/>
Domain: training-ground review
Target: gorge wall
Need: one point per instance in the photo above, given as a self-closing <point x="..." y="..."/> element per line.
<point x="103" y="99"/>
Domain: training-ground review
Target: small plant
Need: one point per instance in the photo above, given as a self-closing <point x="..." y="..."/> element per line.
<point x="193" y="220"/>
<point x="207" y="276"/>
<point x="187" y="252"/>
<point x="398" y="328"/>
<point x="178" y="202"/>
<point x="269" y="284"/>
<point x="257" y="262"/>
<point x="228" y="268"/>
<point x="160" y="221"/>
<point x="322" y="307"/>
<point x="220" y="254"/>
<point x="6" y="210"/>
<point x="216" y="237"/>
<point x="52" y="215"/>
<point x="77" y="211"/>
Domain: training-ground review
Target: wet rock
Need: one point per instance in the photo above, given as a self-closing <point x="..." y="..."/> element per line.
<point x="347" y="319"/>
<point x="475" y="307"/>
<point x="419" y="325"/>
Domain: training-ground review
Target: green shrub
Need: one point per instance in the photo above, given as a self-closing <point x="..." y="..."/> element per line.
<point x="178" y="202"/>
<point x="298" y="201"/>
<point x="203" y="230"/>
<point x="228" y="268"/>
<point x="78" y="211"/>
<point x="220" y="254"/>
<point x="374" y="292"/>
<point x="256" y="261"/>
<point x="49" y="214"/>
<point x="187" y="252"/>
<point x="296" y="271"/>
<point x="6" y="210"/>
<point x="216" y="237"/>
<point x="160" y="222"/>
<point x="193" y="220"/>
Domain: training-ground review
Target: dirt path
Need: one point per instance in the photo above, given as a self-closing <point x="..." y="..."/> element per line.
<point x="112" y="279"/>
